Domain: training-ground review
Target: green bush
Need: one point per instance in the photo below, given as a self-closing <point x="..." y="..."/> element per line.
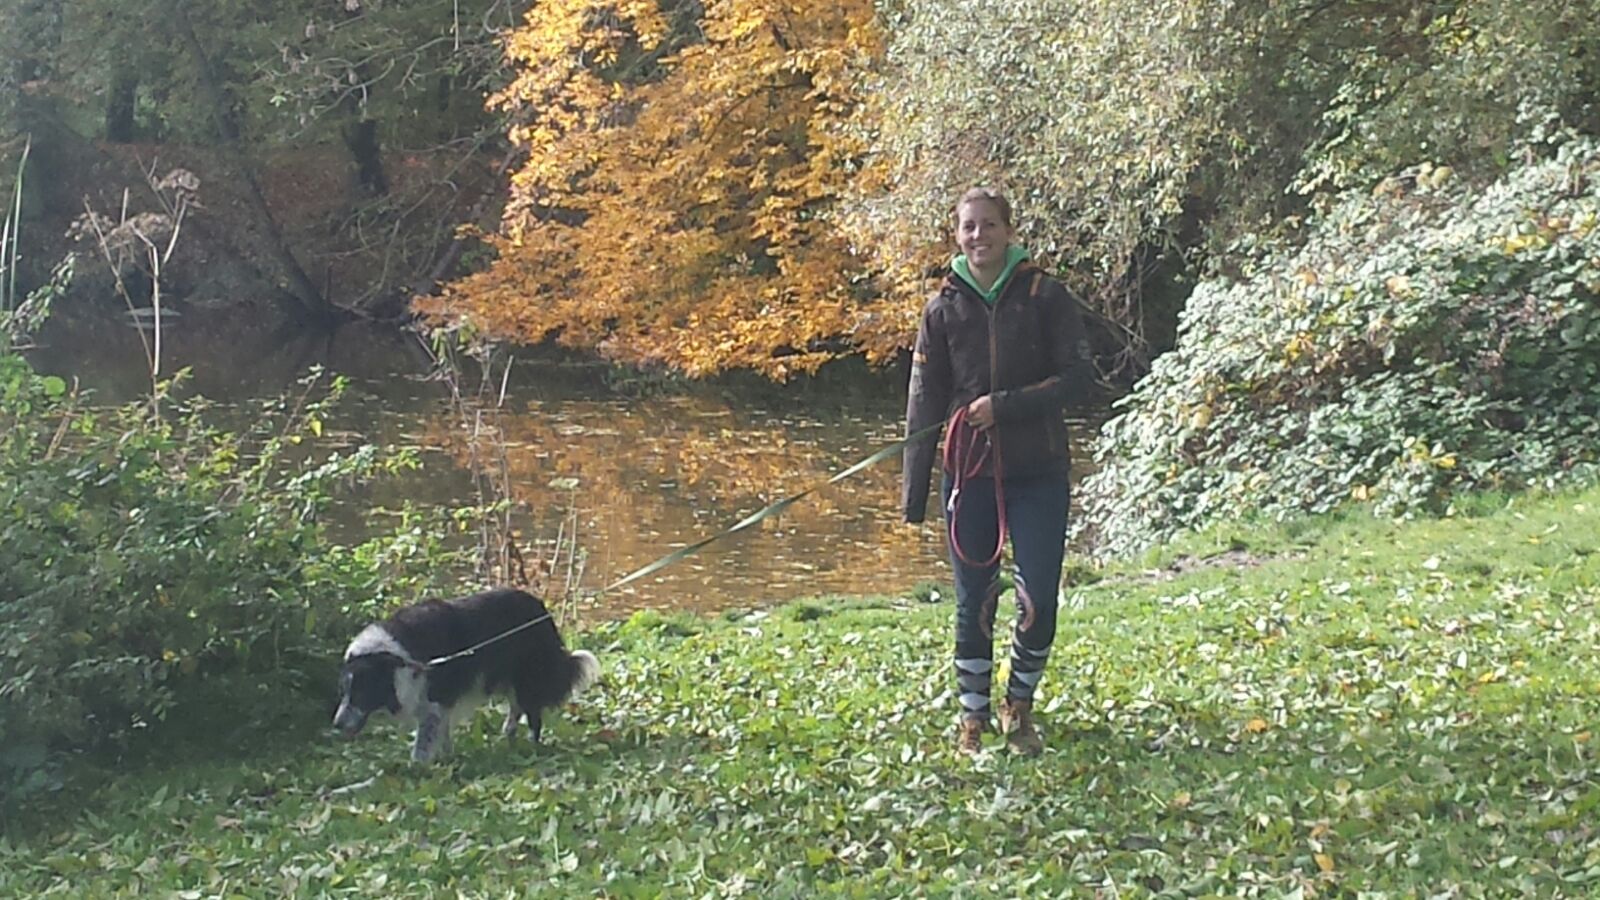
<point x="1425" y="339"/>
<point x="1127" y="131"/>
<point x="150" y="561"/>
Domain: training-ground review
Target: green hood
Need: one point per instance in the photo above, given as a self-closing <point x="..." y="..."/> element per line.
<point x="1014" y="256"/>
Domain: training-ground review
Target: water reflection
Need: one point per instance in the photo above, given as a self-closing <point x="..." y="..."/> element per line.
<point x="648" y="477"/>
<point x="645" y="475"/>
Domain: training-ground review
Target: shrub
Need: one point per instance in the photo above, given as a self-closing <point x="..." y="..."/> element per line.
<point x="1425" y="339"/>
<point x="149" y="560"/>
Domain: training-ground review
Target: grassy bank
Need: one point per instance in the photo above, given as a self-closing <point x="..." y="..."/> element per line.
<point x="1401" y="709"/>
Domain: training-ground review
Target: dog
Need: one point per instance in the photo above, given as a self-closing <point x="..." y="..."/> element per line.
<point x="386" y="667"/>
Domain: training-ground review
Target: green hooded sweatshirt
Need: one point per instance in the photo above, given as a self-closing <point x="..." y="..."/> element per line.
<point x="1014" y="256"/>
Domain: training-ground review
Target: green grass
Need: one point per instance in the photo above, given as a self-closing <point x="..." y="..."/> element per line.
<point x="1377" y="710"/>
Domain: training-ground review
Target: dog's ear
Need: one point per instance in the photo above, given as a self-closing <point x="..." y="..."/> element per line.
<point x="379" y="658"/>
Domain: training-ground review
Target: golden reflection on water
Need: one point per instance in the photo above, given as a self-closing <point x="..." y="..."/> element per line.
<point x="647" y="478"/>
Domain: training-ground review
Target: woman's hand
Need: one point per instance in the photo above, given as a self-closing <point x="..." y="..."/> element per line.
<point x="980" y="413"/>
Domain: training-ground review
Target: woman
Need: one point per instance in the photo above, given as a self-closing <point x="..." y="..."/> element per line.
<point x="1000" y="350"/>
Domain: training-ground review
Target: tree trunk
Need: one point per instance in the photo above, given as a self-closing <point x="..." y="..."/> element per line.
<point x="311" y="306"/>
<point x="362" y="139"/>
<point x="361" y="132"/>
<point x="120" y="106"/>
<point x="35" y="114"/>
<point x="458" y="244"/>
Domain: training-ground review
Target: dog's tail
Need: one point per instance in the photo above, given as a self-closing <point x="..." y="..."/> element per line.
<point x="585" y="672"/>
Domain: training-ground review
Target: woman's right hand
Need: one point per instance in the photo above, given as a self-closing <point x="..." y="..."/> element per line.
<point x="980" y="413"/>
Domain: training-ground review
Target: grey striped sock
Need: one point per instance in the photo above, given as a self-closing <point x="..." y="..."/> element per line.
<point x="1027" y="667"/>
<point x="973" y="679"/>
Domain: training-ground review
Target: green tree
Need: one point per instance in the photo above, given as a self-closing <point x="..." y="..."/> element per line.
<point x="258" y="85"/>
<point x="1125" y="130"/>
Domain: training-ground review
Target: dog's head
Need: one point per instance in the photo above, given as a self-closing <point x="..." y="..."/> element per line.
<point x="367" y="685"/>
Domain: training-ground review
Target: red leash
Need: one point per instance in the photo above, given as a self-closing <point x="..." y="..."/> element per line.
<point x="966" y="449"/>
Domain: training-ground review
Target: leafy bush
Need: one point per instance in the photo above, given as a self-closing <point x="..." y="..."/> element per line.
<point x="150" y="561"/>
<point x="1126" y="130"/>
<point x="1425" y="339"/>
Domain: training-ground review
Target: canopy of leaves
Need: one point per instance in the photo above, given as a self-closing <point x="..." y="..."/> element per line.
<point x="1091" y="113"/>
<point x="1425" y="339"/>
<point x="293" y="67"/>
<point x="679" y="168"/>
<point x="1123" y="129"/>
<point x="352" y="128"/>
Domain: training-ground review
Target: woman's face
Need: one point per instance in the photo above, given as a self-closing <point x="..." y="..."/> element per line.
<point x="982" y="233"/>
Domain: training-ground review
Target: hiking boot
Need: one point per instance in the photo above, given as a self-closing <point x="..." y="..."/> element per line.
<point x="969" y="736"/>
<point x="1016" y="722"/>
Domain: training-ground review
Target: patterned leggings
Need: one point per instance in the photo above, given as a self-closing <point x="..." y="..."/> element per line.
<point x="1036" y="514"/>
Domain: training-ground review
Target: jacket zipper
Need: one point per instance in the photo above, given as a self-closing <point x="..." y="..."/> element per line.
<point x="994" y="383"/>
<point x="994" y="347"/>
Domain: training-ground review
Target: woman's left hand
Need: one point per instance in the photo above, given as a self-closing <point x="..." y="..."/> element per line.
<point x="980" y="412"/>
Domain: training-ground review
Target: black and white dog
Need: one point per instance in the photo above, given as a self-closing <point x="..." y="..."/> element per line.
<point x="386" y="666"/>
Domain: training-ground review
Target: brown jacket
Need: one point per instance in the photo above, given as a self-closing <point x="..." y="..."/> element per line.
<point x="1030" y="352"/>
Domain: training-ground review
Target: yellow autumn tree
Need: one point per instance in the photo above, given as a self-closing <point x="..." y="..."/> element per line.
<point x="682" y="163"/>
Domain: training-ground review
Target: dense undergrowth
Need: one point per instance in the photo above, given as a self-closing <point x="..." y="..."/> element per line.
<point x="1428" y="339"/>
<point x="160" y="575"/>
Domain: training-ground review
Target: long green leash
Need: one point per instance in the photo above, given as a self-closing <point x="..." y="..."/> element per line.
<point x="691" y="549"/>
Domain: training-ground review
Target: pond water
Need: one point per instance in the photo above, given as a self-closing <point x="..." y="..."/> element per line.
<point x="640" y="473"/>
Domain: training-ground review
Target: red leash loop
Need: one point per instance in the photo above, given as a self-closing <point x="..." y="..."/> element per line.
<point x="965" y="450"/>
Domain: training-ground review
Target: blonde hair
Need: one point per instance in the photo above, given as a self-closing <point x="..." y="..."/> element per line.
<point x="993" y="195"/>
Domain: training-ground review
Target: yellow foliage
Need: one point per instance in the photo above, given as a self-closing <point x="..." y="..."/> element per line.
<point x="1298" y="346"/>
<point x="674" y="204"/>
